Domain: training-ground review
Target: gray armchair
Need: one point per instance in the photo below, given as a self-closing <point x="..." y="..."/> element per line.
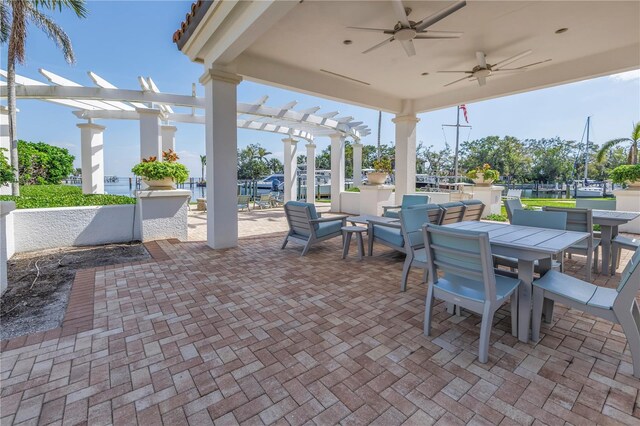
<point x="306" y="227"/>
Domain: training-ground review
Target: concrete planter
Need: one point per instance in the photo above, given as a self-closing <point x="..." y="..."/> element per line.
<point x="377" y="178"/>
<point x="162" y="184"/>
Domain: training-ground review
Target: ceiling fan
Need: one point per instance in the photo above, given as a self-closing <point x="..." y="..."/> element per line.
<point x="405" y="31"/>
<point x="484" y="70"/>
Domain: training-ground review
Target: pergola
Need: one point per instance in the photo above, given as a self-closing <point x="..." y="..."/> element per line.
<point x="156" y="112"/>
<point x="311" y="47"/>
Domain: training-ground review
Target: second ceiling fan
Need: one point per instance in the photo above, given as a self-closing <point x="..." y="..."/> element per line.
<point x="405" y="31"/>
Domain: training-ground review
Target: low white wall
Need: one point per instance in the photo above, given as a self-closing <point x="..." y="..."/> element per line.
<point x="350" y="202"/>
<point x="37" y="229"/>
<point x="438" y="197"/>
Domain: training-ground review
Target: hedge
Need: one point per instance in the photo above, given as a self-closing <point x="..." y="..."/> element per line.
<point x="42" y="196"/>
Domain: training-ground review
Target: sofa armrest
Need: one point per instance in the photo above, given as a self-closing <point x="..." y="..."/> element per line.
<point x="385" y="208"/>
<point x="342" y="217"/>
<point x="394" y="224"/>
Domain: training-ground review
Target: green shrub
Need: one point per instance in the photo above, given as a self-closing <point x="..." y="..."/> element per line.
<point x="486" y="170"/>
<point x="6" y="171"/>
<point x="353" y="189"/>
<point x="41" y="163"/>
<point x="383" y="165"/>
<point x="498" y="217"/>
<point x="626" y="173"/>
<point x="151" y="169"/>
<point x="43" y="196"/>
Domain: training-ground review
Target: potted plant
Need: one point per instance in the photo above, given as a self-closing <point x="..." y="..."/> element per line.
<point x="382" y="169"/>
<point x="629" y="174"/>
<point x="483" y="175"/>
<point x="161" y="174"/>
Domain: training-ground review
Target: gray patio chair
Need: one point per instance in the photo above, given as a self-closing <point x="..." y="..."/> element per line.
<point x="453" y="212"/>
<point x="264" y="202"/>
<point x="243" y="202"/>
<point x="619" y="243"/>
<point x="411" y="221"/>
<point x="469" y="280"/>
<point x="596" y="204"/>
<point x="408" y="201"/>
<point x="538" y="219"/>
<point x="581" y="220"/>
<point x="473" y="210"/>
<point x="511" y="205"/>
<point x="306" y="227"/>
<point x="617" y="305"/>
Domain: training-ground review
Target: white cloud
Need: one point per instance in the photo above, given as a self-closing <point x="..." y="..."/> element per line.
<point x="626" y="76"/>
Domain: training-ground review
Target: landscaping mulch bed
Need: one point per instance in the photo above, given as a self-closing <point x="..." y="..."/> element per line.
<point x="40" y="282"/>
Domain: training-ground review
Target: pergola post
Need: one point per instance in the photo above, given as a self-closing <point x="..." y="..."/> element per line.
<point x="221" y="141"/>
<point x="150" y="145"/>
<point x="337" y="170"/>
<point x="5" y="142"/>
<point x="290" y="167"/>
<point x="92" y="158"/>
<point x="405" y="154"/>
<point x="311" y="172"/>
<point x="168" y="137"/>
<point x="357" y="164"/>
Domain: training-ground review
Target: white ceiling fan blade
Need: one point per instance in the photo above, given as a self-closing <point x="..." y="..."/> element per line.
<point x="398" y="8"/>
<point x="387" y="41"/>
<point x="511" y="59"/>
<point x="373" y="30"/>
<point x="438" y="16"/>
<point x="526" y="66"/>
<point x="456" y="81"/>
<point x="430" y="36"/>
<point x="481" y="80"/>
<point x="459" y="72"/>
<point x="482" y="59"/>
<point x="505" y="71"/>
<point x="409" y="47"/>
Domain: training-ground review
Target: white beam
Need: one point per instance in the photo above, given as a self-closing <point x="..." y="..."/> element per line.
<point x="92" y="158"/>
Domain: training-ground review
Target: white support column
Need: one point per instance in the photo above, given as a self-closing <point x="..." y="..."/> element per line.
<point x="357" y="164"/>
<point x="5" y="143"/>
<point x="311" y="172"/>
<point x="92" y="158"/>
<point x="337" y="170"/>
<point x="405" y="154"/>
<point x="168" y="137"/>
<point x="150" y="145"/>
<point x="290" y="166"/>
<point x="221" y="141"/>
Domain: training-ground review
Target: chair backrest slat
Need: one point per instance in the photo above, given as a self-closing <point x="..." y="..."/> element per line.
<point x="473" y="210"/>
<point x="453" y="212"/>
<point x="580" y="220"/>
<point x="413" y="219"/>
<point x="511" y="205"/>
<point x="596" y="204"/>
<point x="299" y="216"/>
<point x="540" y="219"/>
<point x="413" y="199"/>
<point x="630" y="277"/>
<point x="460" y="255"/>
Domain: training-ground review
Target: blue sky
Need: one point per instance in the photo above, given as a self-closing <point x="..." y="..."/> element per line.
<point x="121" y="40"/>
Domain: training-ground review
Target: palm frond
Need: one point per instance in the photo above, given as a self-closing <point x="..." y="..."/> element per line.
<point x="54" y="32"/>
<point x="5" y="22"/>
<point x="607" y="146"/>
<point x="635" y="134"/>
<point x="77" y="6"/>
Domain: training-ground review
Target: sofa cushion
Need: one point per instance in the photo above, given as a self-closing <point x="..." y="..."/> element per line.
<point x="388" y="234"/>
<point x="327" y="228"/>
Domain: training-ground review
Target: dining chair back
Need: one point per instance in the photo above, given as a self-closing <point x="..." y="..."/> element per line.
<point x="453" y="212"/>
<point x="473" y="209"/>
<point x="540" y="219"/>
<point x="469" y="280"/>
<point x="581" y="220"/>
<point x="609" y="204"/>
<point x="511" y="205"/>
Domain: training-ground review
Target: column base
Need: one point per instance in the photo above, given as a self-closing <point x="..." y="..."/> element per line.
<point x="628" y="200"/>
<point x="373" y="197"/>
<point x="491" y="196"/>
<point x="162" y="214"/>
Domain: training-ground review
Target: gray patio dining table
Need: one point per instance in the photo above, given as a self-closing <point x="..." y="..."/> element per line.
<point x="609" y="220"/>
<point x="527" y="244"/>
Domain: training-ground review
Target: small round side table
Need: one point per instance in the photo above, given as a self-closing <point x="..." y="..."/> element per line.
<point x="347" y="231"/>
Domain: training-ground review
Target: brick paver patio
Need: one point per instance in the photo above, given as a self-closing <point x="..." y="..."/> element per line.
<point x="259" y="335"/>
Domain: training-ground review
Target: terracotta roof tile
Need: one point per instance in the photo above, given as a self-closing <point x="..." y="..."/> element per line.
<point x="190" y="18"/>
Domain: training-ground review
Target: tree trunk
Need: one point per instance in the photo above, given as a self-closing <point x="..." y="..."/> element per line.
<point x="11" y="104"/>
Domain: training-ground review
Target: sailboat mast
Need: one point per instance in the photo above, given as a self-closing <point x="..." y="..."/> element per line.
<point x="455" y="158"/>
<point x="586" y="150"/>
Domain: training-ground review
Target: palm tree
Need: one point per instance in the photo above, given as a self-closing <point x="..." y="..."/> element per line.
<point x="203" y="162"/>
<point x="15" y="15"/>
<point x="262" y="153"/>
<point x="633" y="149"/>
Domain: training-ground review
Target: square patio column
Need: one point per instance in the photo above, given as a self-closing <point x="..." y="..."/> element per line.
<point x="405" y="172"/>
<point x="5" y="142"/>
<point x="92" y="158"/>
<point x="290" y="167"/>
<point x="221" y="142"/>
<point x="168" y="137"/>
<point x="150" y="144"/>
<point x="357" y="164"/>
<point x="337" y="170"/>
<point x="311" y="172"/>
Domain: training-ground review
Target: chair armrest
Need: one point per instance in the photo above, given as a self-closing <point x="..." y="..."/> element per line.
<point x="394" y="224"/>
<point x="385" y="208"/>
<point x="342" y="217"/>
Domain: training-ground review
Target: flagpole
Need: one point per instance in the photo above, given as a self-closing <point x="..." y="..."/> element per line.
<point x="455" y="157"/>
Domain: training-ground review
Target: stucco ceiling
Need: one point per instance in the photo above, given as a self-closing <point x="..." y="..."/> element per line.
<point x="603" y="37"/>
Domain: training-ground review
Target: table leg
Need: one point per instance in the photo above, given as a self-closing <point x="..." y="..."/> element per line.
<point x="544" y="265"/>
<point x="347" y="241"/>
<point x="605" y="244"/>
<point x="360" y="245"/>
<point x="614" y="233"/>
<point x="525" y="273"/>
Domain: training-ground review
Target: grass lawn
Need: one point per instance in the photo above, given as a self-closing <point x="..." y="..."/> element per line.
<point x="42" y="196"/>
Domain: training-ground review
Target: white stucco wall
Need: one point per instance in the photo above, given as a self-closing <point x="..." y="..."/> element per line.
<point x="163" y="214"/>
<point x="350" y="202"/>
<point x="37" y="229"/>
